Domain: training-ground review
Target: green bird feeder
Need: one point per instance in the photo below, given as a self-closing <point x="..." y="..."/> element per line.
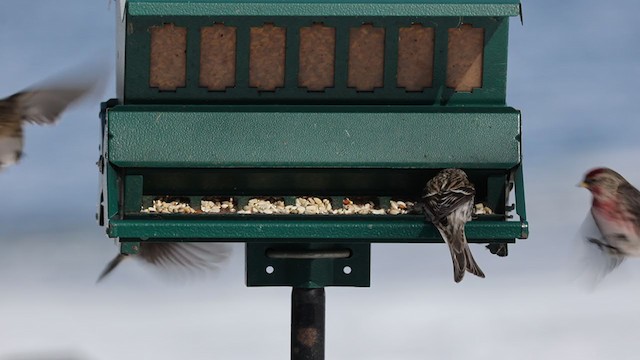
<point x="307" y="129"/>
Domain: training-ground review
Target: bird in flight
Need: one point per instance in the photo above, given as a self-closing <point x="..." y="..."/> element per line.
<point x="176" y="257"/>
<point x="615" y="209"/>
<point x="43" y="104"/>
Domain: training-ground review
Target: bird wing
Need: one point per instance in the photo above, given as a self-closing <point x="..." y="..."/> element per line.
<point x="44" y="106"/>
<point x="442" y="203"/>
<point x="595" y="259"/>
<point x="630" y="201"/>
<point x="186" y="256"/>
<point x="176" y="257"/>
<point x="40" y="106"/>
<point x="110" y="266"/>
<point x="43" y="103"/>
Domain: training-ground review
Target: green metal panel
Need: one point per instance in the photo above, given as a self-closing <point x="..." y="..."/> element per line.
<point x="521" y="208"/>
<point x="280" y="136"/>
<point x="132" y="192"/>
<point x="492" y="92"/>
<point x="299" y="229"/>
<point x="113" y="190"/>
<point x="308" y="273"/>
<point x="326" y="7"/>
<point x="109" y="182"/>
<point x="130" y="247"/>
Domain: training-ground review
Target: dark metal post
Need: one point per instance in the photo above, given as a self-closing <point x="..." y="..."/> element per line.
<point x="307" y="324"/>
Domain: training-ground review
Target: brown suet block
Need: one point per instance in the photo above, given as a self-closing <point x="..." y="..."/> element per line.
<point x="168" y="65"/>
<point x="366" y="58"/>
<point x="218" y="57"/>
<point x="317" y="57"/>
<point x="415" y="57"/>
<point x="465" y="56"/>
<point x="267" y="57"/>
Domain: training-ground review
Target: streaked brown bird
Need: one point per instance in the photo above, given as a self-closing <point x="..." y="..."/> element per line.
<point x="43" y="104"/>
<point x="448" y="204"/>
<point x="616" y="212"/>
<point x="177" y="257"/>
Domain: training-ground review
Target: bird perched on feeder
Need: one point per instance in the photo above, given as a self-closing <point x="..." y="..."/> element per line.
<point x="190" y="257"/>
<point x="448" y="204"/>
<point x="616" y="212"/>
<point x="43" y="104"/>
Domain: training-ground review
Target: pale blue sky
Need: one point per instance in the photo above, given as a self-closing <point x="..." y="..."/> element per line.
<point x="573" y="70"/>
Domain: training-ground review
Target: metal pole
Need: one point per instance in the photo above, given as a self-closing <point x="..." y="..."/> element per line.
<point x="307" y="324"/>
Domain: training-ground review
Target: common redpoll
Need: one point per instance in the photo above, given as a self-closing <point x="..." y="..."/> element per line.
<point x="199" y="257"/>
<point x="616" y="213"/>
<point x="448" y="204"/>
<point x="42" y="104"/>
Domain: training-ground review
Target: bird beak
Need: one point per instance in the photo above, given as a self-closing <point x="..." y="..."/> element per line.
<point x="583" y="184"/>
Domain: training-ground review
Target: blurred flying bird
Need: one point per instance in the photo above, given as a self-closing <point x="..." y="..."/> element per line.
<point x="448" y="204"/>
<point x="43" y="104"/>
<point x="616" y="212"/>
<point x="176" y="257"/>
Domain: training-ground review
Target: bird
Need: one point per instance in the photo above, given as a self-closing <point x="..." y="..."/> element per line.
<point x="448" y="203"/>
<point x="175" y="257"/>
<point x="43" y="104"/>
<point x="615" y="209"/>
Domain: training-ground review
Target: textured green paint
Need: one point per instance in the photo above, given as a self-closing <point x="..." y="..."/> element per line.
<point x="296" y="229"/>
<point x="326" y="8"/>
<point x="492" y="92"/>
<point x="387" y="137"/>
<point x="495" y="198"/>
<point x="305" y="273"/>
<point x="520" y="200"/>
<point x="112" y="191"/>
<point x="130" y="247"/>
<point x="109" y="189"/>
<point x="132" y="193"/>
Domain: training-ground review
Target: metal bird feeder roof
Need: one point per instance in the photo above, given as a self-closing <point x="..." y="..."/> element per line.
<point x="224" y="102"/>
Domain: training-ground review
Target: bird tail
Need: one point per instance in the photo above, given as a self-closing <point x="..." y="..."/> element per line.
<point x="459" y="263"/>
<point x="460" y="254"/>
<point x="471" y="265"/>
<point x="110" y="266"/>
